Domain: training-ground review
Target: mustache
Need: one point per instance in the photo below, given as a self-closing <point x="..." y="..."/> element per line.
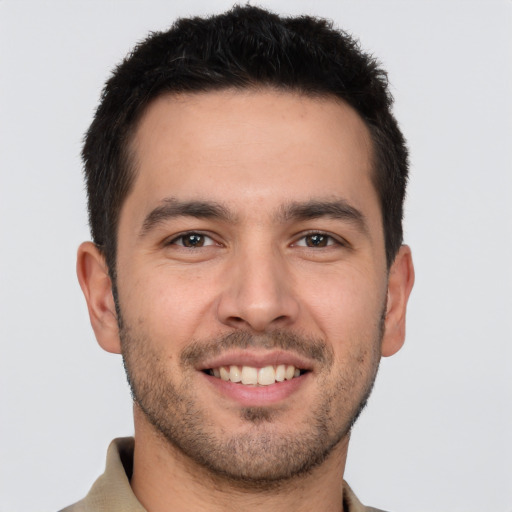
<point x="311" y="348"/>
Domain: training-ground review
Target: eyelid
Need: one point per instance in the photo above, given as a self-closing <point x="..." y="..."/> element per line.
<point x="180" y="236"/>
<point x="333" y="239"/>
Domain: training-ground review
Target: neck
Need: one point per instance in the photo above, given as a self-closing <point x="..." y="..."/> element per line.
<point x="165" y="479"/>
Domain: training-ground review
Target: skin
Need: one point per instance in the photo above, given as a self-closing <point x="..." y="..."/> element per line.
<point x="261" y="155"/>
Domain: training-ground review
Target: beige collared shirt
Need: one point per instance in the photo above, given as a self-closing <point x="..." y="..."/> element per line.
<point x="112" y="492"/>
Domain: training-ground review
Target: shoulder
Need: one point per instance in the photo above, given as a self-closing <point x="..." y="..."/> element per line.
<point x="112" y="492"/>
<point x="351" y="502"/>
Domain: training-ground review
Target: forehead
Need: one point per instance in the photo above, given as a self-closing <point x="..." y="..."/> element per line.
<point x="242" y="147"/>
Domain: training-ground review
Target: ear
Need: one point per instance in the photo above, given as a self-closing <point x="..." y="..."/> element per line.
<point x="400" y="283"/>
<point x="96" y="285"/>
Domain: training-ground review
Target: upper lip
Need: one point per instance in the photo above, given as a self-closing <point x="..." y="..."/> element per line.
<point x="256" y="359"/>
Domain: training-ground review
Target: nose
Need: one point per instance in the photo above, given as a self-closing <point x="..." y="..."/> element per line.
<point x="257" y="292"/>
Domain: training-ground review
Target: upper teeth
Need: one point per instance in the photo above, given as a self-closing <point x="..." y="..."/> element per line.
<point x="251" y="375"/>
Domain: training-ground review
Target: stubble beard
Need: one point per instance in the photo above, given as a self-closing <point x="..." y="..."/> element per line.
<point x="263" y="455"/>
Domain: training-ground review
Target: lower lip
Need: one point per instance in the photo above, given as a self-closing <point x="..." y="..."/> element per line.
<point x="257" y="396"/>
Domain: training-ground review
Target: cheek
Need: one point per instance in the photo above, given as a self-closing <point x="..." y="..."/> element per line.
<point x="168" y="306"/>
<point x="345" y="304"/>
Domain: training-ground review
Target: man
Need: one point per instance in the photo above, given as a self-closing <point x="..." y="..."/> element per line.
<point x="245" y="179"/>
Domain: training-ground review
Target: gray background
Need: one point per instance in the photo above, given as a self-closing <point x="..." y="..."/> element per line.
<point x="436" y="434"/>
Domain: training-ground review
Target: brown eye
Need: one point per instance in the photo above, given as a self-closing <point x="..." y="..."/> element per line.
<point x="317" y="240"/>
<point x="192" y="240"/>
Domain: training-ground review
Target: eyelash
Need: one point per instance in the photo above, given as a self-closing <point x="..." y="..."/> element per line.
<point x="189" y="234"/>
<point x="330" y="240"/>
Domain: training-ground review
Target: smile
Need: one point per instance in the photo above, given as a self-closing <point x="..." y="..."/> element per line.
<point x="250" y="375"/>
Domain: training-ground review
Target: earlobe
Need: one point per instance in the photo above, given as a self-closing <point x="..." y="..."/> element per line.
<point x="96" y="286"/>
<point x="400" y="283"/>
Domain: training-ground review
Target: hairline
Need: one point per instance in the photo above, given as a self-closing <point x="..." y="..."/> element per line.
<point x="128" y="152"/>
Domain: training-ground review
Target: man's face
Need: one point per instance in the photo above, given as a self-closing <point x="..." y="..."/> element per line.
<point x="251" y="247"/>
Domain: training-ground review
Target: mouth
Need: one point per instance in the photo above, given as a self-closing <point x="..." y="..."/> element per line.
<point x="256" y="376"/>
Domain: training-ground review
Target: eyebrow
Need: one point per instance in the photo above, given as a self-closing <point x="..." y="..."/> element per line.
<point x="170" y="208"/>
<point x="336" y="209"/>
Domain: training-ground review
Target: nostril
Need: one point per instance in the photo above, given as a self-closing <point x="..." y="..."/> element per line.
<point x="257" y="307"/>
<point x="236" y="319"/>
<point x="256" y="323"/>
